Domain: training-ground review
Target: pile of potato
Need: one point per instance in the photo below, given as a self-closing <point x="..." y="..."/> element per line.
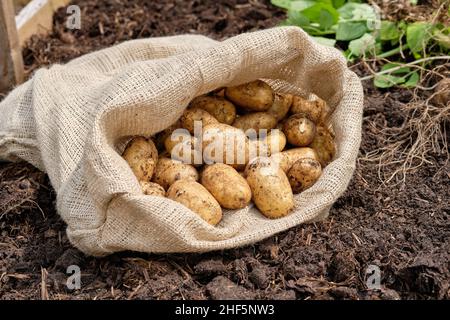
<point x="264" y="168"/>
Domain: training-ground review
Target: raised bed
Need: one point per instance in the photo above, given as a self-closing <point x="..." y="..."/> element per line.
<point x="34" y="18"/>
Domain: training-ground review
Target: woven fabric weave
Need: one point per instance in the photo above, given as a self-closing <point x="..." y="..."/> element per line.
<point x="72" y="120"/>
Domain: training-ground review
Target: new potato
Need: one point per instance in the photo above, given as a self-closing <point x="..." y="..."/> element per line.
<point x="168" y="171"/>
<point x="288" y="157"/>
<point x="324" y="145"/>
<point x="255" y="121"/>
<point x="141" y="155"/>
<point x="299" y="130"/>
<point x="253" y="96"/>
<point x="311" y="109"/>
<point x="152" y="189"/>
<point x="225" y="144"/>
<point x="190" y="116"/>
<point x="184" y="147"/>
<point x="271" y="191"/>
<point x="160" y="137"/>
<point x="195" y="196"/>
<point x="227" y="186"/>
<point x="303" y="174"/>
<point x="281" y="105"/>
<point x="220" y="108"/>
<point x="272" y="143"/>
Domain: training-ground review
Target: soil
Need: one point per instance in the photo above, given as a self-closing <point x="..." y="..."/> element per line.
<point x="403" y="229"/>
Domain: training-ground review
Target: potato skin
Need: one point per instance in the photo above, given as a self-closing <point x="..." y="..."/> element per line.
<point x="141" y="155"/>
<point x="160" y="137"/>
<point x="227" y="186"/>
<point x="271" y="191"/>
<point x="274" y="142"/>
<point x="281" y="105"/>
<point x="168" y="171"/>
<point x="195" y="196"/>
<point x="220" y="108"/>
<point x="442" y="92"/>
<point x="152" y="189"/>
<point x="179" y="143"/>
<point x="299" y="130"/>
<point x="303" y="174"/>
<point x="288" y="157"/>
<point x="311" y="109"/>
<point x="196" y="114"/>
<point x="255" y="121"/>
<point x="234" y="145"/>
<point x="253" y="96"/>
<point x="324" y="145"/>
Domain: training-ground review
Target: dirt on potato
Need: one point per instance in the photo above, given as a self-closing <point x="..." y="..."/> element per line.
<point x="403" y="229"/>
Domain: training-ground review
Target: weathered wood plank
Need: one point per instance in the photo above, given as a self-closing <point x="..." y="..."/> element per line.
<point x="37" y="18"/>
<point x="11" y="62"/>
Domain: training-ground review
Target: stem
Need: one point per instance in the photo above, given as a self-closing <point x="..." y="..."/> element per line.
<point x="389" y="53"/>
<point x="405" y="65"/>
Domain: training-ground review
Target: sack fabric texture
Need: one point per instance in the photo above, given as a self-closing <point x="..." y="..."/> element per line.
<point x="72" y="121"/>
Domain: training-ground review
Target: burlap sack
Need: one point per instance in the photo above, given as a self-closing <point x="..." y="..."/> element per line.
<point x="71" y="121"/>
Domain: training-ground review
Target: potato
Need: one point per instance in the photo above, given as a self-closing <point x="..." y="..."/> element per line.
<point x="152" y="189"/>
<point x="184" y="147"/>
<point x="311" y="109"/>
<point x="299" y="130"/>
<point x="324" y="145"/>
<point x="226" y="185"/>
<point x="141" y="155"/>
<point x="225" y="144"/>
<point x="326" y="113"/>
<point x="160" y="137"/>
<point x="168" y="171"/>
<point x="287" y="158"/>
<point x="195" y="196"/>
<point x="274" y="142"/>
<point x="220" y="108"/>
<point x="271" y="191"/>
<point x="303" y="174"/>
<point x="253" y="96"/>
<point x="281" y="105"/>
<point x="255" y="121"/>
<point x="442" y="92"/>
<point x="190" y="116"/>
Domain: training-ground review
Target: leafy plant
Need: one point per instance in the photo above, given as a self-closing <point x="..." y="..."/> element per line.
<point x="356" y="28"/>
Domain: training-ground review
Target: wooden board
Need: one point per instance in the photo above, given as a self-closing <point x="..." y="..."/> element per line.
<point x="11" y="62"/>
<point x="37" y="18"/>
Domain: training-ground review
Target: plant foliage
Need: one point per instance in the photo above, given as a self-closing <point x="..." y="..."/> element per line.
<point x="356" y="28"/>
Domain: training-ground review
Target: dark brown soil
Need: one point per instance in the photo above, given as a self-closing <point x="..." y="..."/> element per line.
<point x="403" y="229"/>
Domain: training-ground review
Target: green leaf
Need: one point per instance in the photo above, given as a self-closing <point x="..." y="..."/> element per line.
<point x="387" y="80"/>
<point x="359" y="47"/>
<point x="412" y="81"/>
<point x="350" y="30"/>
<point x="389" y="31"/>
<point x="315" y="12"/>
<point x="413" y="2"/>
<point x="285" y="4"/>
<point x="325" y="41"/>
<point x="357" y="11"/>
<point x="338" y="3"/>
<point x="297" y="19"/>
<point x="326" y="19"/>
<point x="417" y="36"/>
<point x="301" y="5"/>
